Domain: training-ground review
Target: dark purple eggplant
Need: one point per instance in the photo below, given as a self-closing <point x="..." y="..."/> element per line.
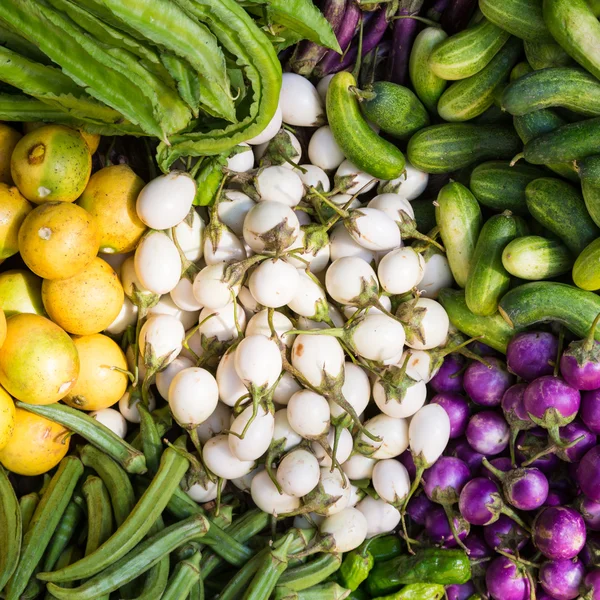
<point x="457" y="16"/>
<point x="436" y="11"/>
<point x="405" y="31"/>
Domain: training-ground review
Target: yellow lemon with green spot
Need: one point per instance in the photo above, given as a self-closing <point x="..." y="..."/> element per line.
<point x="21" y="292"/>
<point x="7" y="418"/>
<point x="91" y="139"/>
<point x="13" y="210"/>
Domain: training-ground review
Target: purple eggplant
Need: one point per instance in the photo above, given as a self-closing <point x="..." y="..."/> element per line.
<point x="578" y="439"/>
<point x="590" y="410"/>
<point x="460" y="591"/>
<point x="515" y="414"/>
<point x="551" y="403"/>
<point x="531" y="450"/>
<point x="556" y="497"/>
<point x="559" y="532"/>
<point x="580" y="362"/>
<point x="462" y="449"/>
<point x="488" y="432"/>
<point x="478" y="548"/>
<point x="418" y="507"/>
<point x="437" y="10"/>
<point x="531" y="354"/>
<point x="450" y="376"/>
<point x="590" y="511"/>
<point x="458" y="411"/>
<point x="525" y="489"/>
<point x="562" y="578"/>
<point x="485" y="385"/>
<point x="457" y="16"/>
<point x="588" y="474"/>
<point x="507" y="580"/>
<point x="444" y="481"/>
<point x="405" y="32"/>
<point x="502" y="463"/>
<point x="591" y="584"/>
<point x="505" y="535"/>
<point x="477" y="347"/>
<point x="406" y="458"/>
<point x="439" y="531"/>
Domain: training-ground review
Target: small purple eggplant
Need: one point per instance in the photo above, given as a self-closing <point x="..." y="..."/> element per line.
<point x="557" y="497"/>
<point x="439" y="531"/>
<point x="435" y="13"/>
<point x="478" y="548"/>
<point x="578" y="439"/>
<point x="515" y="414"/>
<point x="460" y="591"/>
<point x="450" y="376"/>
<point x="480" y="349"/>
<point x="462" y="449"/>
<point x="591" y="584"/>
<point x="525" y="489"/>
<point x="507" y="580"/>
<point x="488" y="432"/>
<point x="485" y="385"/>
<point x="588" y="474"/>
<point x="590" y="410"/>
<point x="559" y="532"/>
<point x="580" y="362"/>
<point x="531" y="450"/>
<point x="444" y="481"/>
<point x="531" y="354"/>
<point x="406" y="458"/>
<point x="551" y="403"/>
<point x="418" y="507"/>
<point x="562" y="578"/>
<point x="457" y="408"/>
<point x="590" y="511"/>
<point x="502" y="463"/>
<point x="505" y="535"/>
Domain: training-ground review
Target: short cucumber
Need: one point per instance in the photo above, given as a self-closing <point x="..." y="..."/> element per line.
<point x="468" y="98"/>
<point x="522" y="18"/>
<point x="589" y="172"/>
<point x="467" y="52"/>
<point x="548" y="301"/>
<point x="575" y="27"/>
<point x="500" y="187"/>
<point x="428" y="86"/>
<point x="586" y="270"/>
<point x="424" y="210"/>
<point x="543" y="55"/>
<point x="494" y="115"/>
<point x="519" y="70"/>
<point x="459" y="218"/>
<point x="357" y="140"/>
<point x="488" y="279"/>
<point x="566" y="87"/>
<point x="534" y="258"/>
<point x="559" y="207"/>
<point x="450" y="146"/>
<point x="394" y="108"/>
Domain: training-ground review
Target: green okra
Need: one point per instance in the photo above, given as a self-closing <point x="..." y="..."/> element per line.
<point x="11" y="528"/>
<point x="311" y="573"/>
<point x="185" y="576"/>
<point x="27" y="505"/>
<point x="151" y="440"/>
<point x="63" y="535"/>
<point x="99" y="513"/>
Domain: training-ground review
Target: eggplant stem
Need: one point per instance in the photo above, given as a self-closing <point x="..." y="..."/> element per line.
<point x="457" y="539"/>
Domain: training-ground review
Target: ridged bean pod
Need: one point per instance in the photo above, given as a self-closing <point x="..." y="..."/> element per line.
<point x="10" y="526"/>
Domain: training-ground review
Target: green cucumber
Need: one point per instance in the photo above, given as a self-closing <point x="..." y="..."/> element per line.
<point x="488" y="279"/>
<point x="543" y="55"/>
<point x="519" y="70"/>
<point x="586" y="270"/>
<point x="467" y="52"/>
<point x="493" y="331"/>
<point x="450" y="146"/>
<point x="428" y="86"/>
<point x="358" y="141"/>
<point x="548" y="301"/>
<point x="494" y="115"/>
<point x="424" y="210"/>
<point x="394" y="108"/>
<point x="500" y="187"/>
<point x="575" y="27"/>
<point x="469" y="98"/>
<point x="534" y="258"/>
<point x="573" y="141"/>
<point x="458" y="216"/>
<point x="565" y="87"/>
<point x="559" y="207"/>
<point x="522" y="18"/>
<point x="589" y="172"/>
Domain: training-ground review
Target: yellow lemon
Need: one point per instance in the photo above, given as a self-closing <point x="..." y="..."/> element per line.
<point x="8" y="140"/>
<point x="21" y="292"/>
<point x="91" y="139"/>
<point x="13" y="210"/>
<point x="7" y="418"/>
<point x="2" y="327"/>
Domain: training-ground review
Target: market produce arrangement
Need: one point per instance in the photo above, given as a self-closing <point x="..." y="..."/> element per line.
<point x="299" y="301"/>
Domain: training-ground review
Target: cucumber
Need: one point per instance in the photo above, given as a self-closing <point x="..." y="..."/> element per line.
<point x="522" y="18"/>
<point x="428" y="86"/>
<point x="543" y="55"/>
<point x="424" y="210"/>
<point x="450" y="146"/>
<point x="494" y="115"/>
<point x="394" y="108"/>
<point x="358" y="141"/>
<point x="589" y="172"/>
<point x="573" y="141"/>
<point x="519" y="70"/>
<point x="467" y="52"/>
<point x="586" y="270"/>
<point x="459" y="218"/>
<point x="488" y="280"/>
<point x="548" y="301"/>
<point x="493" y="331"/>
<point x="575" y="27"/>
<point x="500" y="187"/>
<point x="566" y="87"/>
<point x="469" y="98"/>
<point x="559" y="207"/>
<point x="533" y="258"/>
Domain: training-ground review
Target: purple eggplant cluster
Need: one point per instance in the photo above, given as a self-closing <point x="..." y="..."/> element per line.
<point x="518" y="486"/>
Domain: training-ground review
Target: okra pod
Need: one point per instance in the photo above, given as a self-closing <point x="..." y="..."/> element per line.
<point x="237" y="584"/>
<point x="99" y="513"/>
<point x="311" y="573"/>
<point x="62" y="535"/>
<point x="324" y="591"/>
<point x="27" y="506"/>
<point x="93" y="431"/>
<point x="11" y="528"/>
<point x="69" y="555"/>
<point x="151" y="441"/>
<point x="185" y="576"/>
<point x="138" y="561"/>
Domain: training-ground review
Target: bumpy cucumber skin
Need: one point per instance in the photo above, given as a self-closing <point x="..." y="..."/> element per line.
<point x="519" y="70"/>
<point x="395" y="109"/>
<point x="451" y="146"/>
<point x="522" y="18"/>
<point x="560" y="208"/>
<point x="589" y="172"/>
<point x="358" y="141"/>
<point x="428" y="86"/>
<point x="500" y="187"/>
<point x="471" y="97"/>
<point x="459" y="218"/>
<point x="566" y="87"/>
<point x="543" y="55"/>
<point x="467" y="52"/>
<point x="586" y="270"/>
<point x="535" y="258"/>
<point x="574" y="26"/>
